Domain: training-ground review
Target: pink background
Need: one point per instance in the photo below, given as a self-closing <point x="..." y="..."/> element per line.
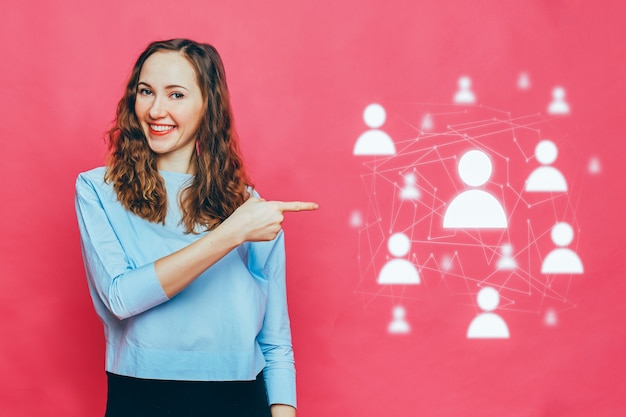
<point x="301" y="74"/>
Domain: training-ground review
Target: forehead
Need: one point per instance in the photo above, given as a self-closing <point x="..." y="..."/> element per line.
<point x="167" y="68"/>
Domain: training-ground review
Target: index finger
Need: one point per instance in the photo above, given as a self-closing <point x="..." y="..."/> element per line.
<point x="296" y="205"/>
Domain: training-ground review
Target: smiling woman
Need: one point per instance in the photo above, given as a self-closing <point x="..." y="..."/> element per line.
<point x="169" y="107"/>
<point x="200" y="114"/>
<point x="172" y="208"/>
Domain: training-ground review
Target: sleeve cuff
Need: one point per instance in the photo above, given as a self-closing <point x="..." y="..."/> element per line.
<point x="281" y="386"/>
<point x="142" y="291"/>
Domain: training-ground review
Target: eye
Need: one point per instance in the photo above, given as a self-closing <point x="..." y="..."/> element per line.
<point x="145" y="92"/>
<point x="177" y="96"/>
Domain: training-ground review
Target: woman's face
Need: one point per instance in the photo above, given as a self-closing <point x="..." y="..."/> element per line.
<point x="169" y="107"/>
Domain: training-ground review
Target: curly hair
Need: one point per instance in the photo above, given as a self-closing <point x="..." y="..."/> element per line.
<point x="220" y="183"/>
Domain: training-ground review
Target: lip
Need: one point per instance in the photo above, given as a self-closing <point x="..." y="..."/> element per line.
<point x="160" y="132"/>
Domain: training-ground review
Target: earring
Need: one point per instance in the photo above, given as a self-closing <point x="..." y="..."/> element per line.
<point x="198" y="148"/>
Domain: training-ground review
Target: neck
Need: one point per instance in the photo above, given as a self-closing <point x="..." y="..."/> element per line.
<point x="182" y="166"/>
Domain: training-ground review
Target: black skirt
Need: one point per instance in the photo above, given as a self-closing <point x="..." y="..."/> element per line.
<point x="135" y="397"/>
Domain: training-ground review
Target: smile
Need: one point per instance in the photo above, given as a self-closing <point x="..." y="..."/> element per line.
<point x="161" y="128"/>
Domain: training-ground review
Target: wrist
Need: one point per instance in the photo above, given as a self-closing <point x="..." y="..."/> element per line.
<point x="229" y="233"/>
<point x="282" y="410"/>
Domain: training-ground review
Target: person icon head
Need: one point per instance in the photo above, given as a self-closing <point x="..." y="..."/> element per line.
<point x="374" y="116"/>
<point x="546" y="152"/>
<point x="562" y="234"/>
<point x="558" y="94"/>
<point x="488" y="299"/>
<point x="475" y="168"/>
<point x="399" y="245"/>
<point x="465" y="83"/>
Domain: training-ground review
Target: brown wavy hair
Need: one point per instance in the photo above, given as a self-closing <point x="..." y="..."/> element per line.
<point x="220" y="184"/>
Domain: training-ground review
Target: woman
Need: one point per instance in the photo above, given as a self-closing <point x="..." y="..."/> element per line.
<point x="185" y="267"/>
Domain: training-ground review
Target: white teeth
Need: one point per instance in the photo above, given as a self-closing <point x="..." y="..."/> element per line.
<point x="161" y="128"/>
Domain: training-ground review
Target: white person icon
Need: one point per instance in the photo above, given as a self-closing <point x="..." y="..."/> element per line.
<point x="558" y="104"/>
<point x="374" y="141"/>
<point x="475" y="208"/>
<point x="398" y="323"/>
<point x="464" y="94"/>
<point x="506" y="261"/>
<point x="488" y="325"/>
<point x="398" y="270"/>
<point x="410" y="190"/>
<point x="562" y="260"/>
<point x="546" y="178"/>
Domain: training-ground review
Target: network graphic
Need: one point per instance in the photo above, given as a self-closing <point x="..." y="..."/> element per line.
<point x="468" y="202"/>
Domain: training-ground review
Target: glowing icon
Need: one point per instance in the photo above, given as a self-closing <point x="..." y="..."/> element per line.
<point x="546" y="178"/>
<point x="374" y="141"/>
<point x="398" y="270"/>
<point x="562" y="260"/>
<point x="558" y="104"/>
<point x="464" y="95"/>
<point x="475" y="208"/>
<point x="398" y="324"/>
<point x="409" y="191"/>
<point x="488" y="325"/>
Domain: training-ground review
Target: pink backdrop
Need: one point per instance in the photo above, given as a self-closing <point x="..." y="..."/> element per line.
<point x="301" y="74"/>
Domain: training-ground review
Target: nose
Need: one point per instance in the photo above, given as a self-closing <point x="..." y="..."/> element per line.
<point x="157" y="109"/>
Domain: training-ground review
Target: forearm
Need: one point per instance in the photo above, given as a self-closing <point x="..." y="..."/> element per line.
<point x="282" y="410"/>
<point x="255" y="220"/>
<point x="177" y="270"/>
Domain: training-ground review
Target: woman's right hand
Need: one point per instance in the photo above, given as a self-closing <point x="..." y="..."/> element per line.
<point x="260" y="220"/>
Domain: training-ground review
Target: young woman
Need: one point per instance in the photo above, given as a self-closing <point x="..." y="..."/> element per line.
<point x="185" y="263"/>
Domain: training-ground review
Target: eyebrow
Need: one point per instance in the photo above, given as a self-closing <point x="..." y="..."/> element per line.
<point x="167" y="87"/>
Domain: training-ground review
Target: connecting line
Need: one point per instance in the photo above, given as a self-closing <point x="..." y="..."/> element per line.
<point x="462" y="261"/>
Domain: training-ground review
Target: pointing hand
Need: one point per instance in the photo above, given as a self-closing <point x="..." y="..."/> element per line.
<point x="260" y="220"/>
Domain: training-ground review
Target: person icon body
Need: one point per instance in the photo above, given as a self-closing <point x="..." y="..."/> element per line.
<point x="488" y="325"/>
<point x="374" y="141"/>
<point x="399" y="271"/>
<point x="506" y="261"/>
<point x="464" y="95"/>
<point x="409" y="191"/>
<point x="398" y="324"/>
<point x="562" y="260"/>
<point x="558" y="104"/>
<point x="546" y="178"/>
<point x="475" y="208"/>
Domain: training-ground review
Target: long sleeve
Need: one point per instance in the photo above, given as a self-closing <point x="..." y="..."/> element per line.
<point x="275" y="336"/>
<point x="123" y="288"/>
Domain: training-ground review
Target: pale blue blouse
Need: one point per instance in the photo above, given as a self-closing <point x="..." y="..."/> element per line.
<point x="228" y="324"/>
